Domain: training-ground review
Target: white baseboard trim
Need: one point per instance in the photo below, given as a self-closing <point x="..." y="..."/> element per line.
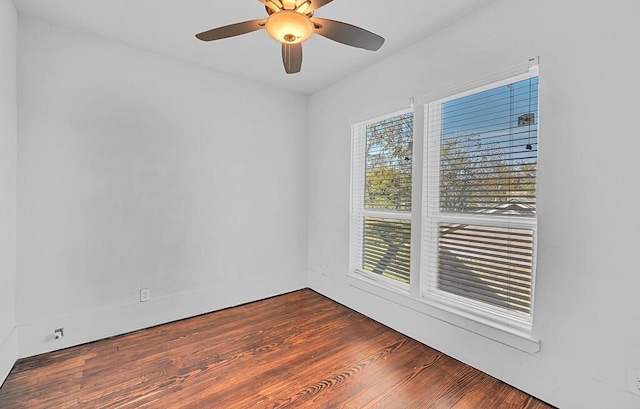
<point x="37" y="338"/>
<point x="8" y="354"/>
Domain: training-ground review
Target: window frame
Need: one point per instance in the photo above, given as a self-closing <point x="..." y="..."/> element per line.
<point x="518" y="337"/>
<point x="432" y="216"/>
<point x="358" y="211"/>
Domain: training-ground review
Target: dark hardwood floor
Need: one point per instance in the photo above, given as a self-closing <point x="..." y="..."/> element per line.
<point x="299" y="350"/>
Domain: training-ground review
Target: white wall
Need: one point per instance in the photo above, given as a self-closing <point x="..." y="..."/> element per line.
<point x="138" y="171"/>
<point x="587" y="312"/>
<point x="8" y="135"/>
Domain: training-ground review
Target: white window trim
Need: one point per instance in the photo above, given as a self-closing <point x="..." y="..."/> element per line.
<point x="432" y="216"/>
<point x="523" y="340"/>
<point x="359" y="212"/>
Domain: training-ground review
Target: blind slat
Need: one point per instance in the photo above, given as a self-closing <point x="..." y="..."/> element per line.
<point x="386" y="249"/>
<point x="489" y="288"/>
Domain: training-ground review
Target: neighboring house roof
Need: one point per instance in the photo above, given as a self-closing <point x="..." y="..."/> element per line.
<point x="511" y="207"/>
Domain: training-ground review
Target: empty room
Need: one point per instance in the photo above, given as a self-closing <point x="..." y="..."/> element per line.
<point x="319" y="204"/>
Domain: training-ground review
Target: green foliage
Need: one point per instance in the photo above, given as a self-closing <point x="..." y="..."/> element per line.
<point x="388" y="164"/>
<point x="388" y="188"/>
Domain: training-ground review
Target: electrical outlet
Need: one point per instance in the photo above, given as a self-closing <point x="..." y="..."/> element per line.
<point x="634" y="382"/>
<point x="145" y="295"/>
<point x="58" y="333"/>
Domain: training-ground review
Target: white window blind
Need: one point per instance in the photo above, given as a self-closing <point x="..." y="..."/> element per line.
<point x="381" y="197"/>
<point x="479" y="200"/>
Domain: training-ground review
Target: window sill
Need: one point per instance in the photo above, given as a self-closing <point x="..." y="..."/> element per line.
<point x="511" y="337"/>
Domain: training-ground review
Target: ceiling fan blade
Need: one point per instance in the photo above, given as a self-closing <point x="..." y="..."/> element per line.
<point x="232" y="30"/>
<point x="292" y="57"/>
<point x="347" y="34"/>
<point x="316" y="4"/>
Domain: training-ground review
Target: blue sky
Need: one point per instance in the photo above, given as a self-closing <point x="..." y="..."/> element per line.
<point x="493" y="116"/>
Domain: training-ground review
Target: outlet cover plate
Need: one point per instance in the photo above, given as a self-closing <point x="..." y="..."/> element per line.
<point x="634" y="382"/>
<point x="145" y="295"/>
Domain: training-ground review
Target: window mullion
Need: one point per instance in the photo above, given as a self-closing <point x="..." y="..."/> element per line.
<point x="417" y="197"/>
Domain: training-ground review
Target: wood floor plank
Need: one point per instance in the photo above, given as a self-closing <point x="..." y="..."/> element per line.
<point x="298" y="350"/>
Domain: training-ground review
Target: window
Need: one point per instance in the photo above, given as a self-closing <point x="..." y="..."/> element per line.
<point x="464" y="203"/>
<point x="479" y="201"/>
<point x="381" y="198"/>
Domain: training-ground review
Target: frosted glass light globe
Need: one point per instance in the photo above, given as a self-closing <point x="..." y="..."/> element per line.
<point x="289" y="27"/>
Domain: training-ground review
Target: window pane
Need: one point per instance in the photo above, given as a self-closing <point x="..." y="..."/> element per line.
<point x="388" y="163"/>
<point x="489" y="151"/>
<point x="488" y="264"/>
<point x="387" y="247"/>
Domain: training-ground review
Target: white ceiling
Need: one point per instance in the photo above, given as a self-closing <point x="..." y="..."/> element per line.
<point x="168" y="27"/>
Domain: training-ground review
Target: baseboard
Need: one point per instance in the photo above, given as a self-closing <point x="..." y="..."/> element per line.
<point x="37" y="338"/>
<point x="8" y="354"/>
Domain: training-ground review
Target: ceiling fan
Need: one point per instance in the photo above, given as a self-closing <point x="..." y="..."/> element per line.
<point x="291" y="22"/>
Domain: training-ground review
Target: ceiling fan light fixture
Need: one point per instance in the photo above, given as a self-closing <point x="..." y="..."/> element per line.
<point x="290" y="22"/>
<point x="302" y="8"/>
<point x="289" y="27"/>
